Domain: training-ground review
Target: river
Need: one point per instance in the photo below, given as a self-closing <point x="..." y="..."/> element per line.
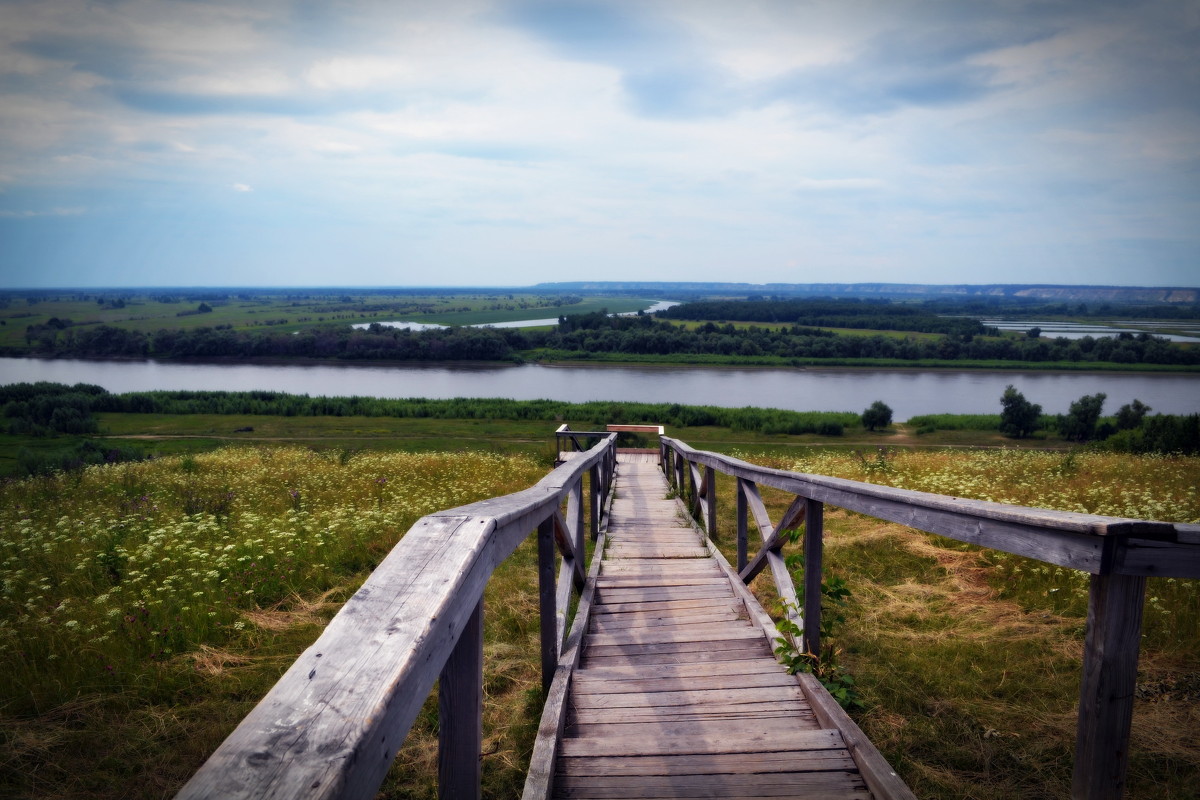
<point x="908" y="392"/>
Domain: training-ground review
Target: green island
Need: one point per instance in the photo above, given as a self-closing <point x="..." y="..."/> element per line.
<point x="592" y="327"/>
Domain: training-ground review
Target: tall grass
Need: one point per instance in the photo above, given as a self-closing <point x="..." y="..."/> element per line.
<point x="969" y="660"/>
<point x="161" y="584"/>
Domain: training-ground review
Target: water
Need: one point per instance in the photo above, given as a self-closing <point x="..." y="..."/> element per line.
<point x="1078" y="330"/>
<point x="908" y="392"/>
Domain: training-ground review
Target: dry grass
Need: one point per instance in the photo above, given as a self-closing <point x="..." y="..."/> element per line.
<point x="971" y="687"/>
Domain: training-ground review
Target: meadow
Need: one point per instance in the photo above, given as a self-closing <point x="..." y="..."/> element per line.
<point x="147" y="606"/>
<point x="137" y="310"/>
<point x="967" y="660"/>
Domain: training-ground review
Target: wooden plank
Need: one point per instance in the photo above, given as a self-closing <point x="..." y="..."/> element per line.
<point x="1159" y="559"/>
<point x="838" y="785"/>
<point x="714" y="649"/>
<point x="624" y="594"/>
<point x="636" y="621"/>
<point x="879" y="776"/>
<point x="719" y="763"/>
<point x="651" y="606"/>
<point x="715" y="653"/>
<point x="691" y="721"/>
<point x="682" y="633"/>
<point x="707" y="682"/>
<point x="745" y="667"/>
<point x="460" y="713"/>
<point x="742" y="739"/>
<point x="618" y="581"/>
<point x="687" y="697"/>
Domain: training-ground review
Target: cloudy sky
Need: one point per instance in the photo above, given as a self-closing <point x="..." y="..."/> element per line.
<point x="489" y="142"/>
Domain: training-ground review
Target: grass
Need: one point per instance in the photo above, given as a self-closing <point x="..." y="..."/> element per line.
<point x="709" y="359"/>
<point x="305" y="310"/>
<point x="147" y="606"/>
<point x="969" y="660"/>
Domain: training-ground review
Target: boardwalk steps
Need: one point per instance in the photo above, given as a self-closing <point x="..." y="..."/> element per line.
<point x="677" y="693"/>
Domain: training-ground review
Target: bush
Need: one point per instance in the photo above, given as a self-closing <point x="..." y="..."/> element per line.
<point x="879" y="415"/>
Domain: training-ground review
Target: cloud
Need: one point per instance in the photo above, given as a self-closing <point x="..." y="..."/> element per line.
<point x="54" y="212"/>
<point x="241" y="187"/>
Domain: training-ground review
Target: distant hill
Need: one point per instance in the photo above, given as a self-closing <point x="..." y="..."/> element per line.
<point x="1016" y="292"/>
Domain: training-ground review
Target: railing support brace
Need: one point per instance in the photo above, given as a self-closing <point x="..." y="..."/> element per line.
<point x="710" y="501"/>
<point x="460" y="713"/>
<point x="814" y="534"/>
<point x="1110" y="656"/>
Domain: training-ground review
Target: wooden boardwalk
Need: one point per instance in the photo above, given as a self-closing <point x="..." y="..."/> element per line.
<point x="677" y="693"/>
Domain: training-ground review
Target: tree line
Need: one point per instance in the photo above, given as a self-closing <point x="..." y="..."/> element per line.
<point x="18" y="401"/>
<point x="1133" y="429"/>
<point x="580" y="336"/>
<point x="881" y="315"/>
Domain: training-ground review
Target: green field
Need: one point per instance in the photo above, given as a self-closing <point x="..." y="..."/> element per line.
<point x="147" y="606"/>
<point x="145" y="313"/>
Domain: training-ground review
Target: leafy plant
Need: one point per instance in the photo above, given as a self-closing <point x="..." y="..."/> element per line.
<point x="835" y="595"/>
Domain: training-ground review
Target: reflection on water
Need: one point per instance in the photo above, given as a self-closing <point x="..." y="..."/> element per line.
<point x="908" y="392"/>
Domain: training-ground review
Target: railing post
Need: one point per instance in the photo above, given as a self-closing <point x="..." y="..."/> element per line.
<point x="710" y="500"/>
<point x="680" y="463"/>
<point x="1110" y="656"/>
<point x="743" y="526"/>
<point x="546" y="601"/>
<point x="814" y="534"/>
<point x="594" y="493"/>
<point x="460" y="713"/>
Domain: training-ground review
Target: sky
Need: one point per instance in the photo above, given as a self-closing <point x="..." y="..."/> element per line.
<point x="504" y="143"/>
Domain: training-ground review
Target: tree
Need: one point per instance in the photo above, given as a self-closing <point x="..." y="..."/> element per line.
<point x="1018" y="416"/>
<point x="1079" y="423"/>
<point x="877" y="416"/>
<point x="1129" y="416"/>
<point x="204" y="308"/>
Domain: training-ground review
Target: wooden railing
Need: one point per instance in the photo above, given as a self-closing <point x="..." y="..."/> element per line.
<point x="1118" y="553"/>
<point x="331" y="726"/>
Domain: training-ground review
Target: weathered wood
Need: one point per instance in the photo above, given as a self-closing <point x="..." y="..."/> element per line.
<point x="710" y="501"/>
<point x="814" y="536"/>
<point x="882" y="780"/>
<point x="747" y="740"/>
<point x="1114" y="626"/>
<point x="333" y="723"/>
<point x="1160" y="559"/>
<point x="742" y="524"/>
<point x="1059" y="537"/>
<point x="809" y="785"/>
<point x="547" y="602"/>
<point x="539" y="777"/>
<point x="703" y="682"/>
<point x="460" y="713"/>
<point x="688" y="697"/>
<point x="711" y="719"/>
<point x="656" y="430"/>
<point x="716" y="763"/>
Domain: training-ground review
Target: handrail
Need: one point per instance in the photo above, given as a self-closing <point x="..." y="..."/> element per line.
<point x="1119" y="553"/>
<point x="331" y="726"/>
